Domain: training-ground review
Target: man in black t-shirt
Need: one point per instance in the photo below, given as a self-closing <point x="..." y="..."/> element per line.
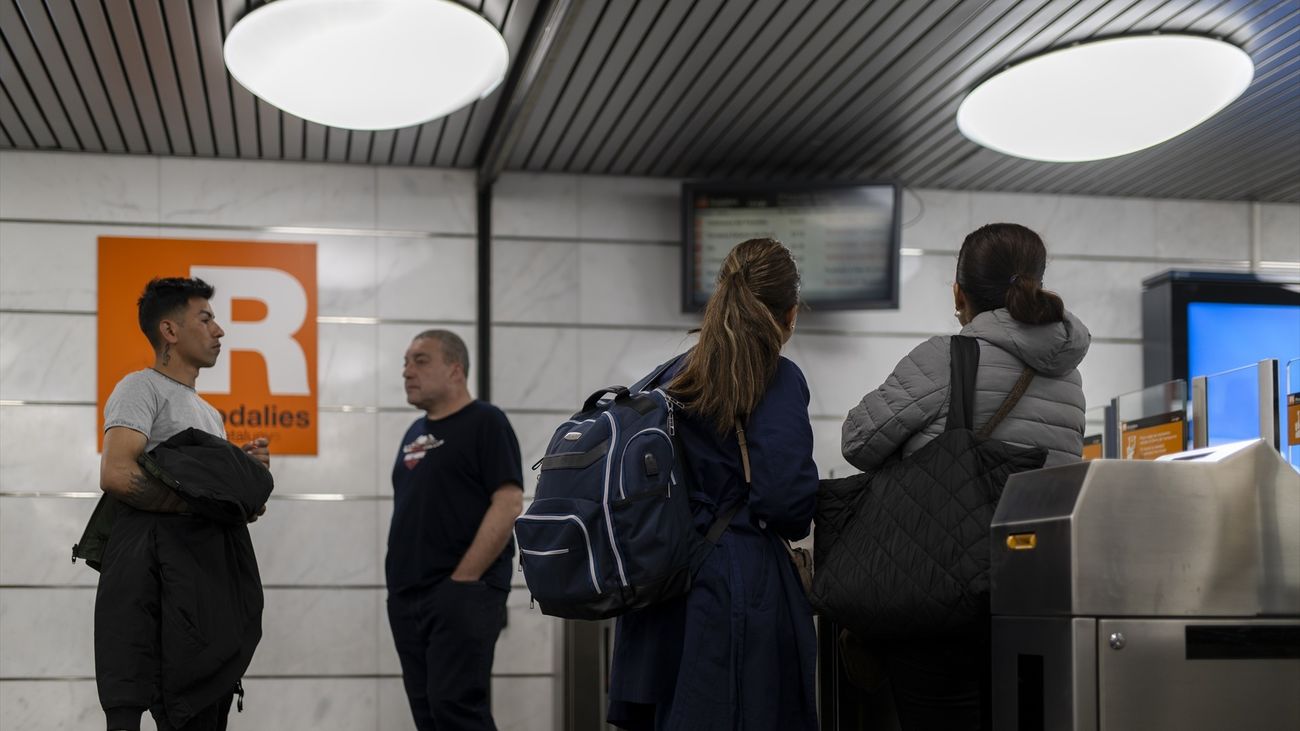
<point x="456" y="493"/>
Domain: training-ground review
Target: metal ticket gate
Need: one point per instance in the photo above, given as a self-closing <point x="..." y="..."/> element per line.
<point x="1149" y="595"/>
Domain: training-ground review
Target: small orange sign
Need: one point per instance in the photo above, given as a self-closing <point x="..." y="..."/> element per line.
<point x="1154" y="436"/>
<point x="1293" y="419"/>
<point x="264" y="383"/>
<point x="1092" y="447"/>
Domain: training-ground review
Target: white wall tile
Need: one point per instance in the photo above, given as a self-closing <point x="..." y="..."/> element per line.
<point x="526" y="645"/>
<point x="47" y="633"/>
<point x="518" y="704"/>
<point x="925" y="303"/>
<point x="318" y="632"/>
<point x="393" y="342"/>
<point x="346" y="276"/>
<point x="65" y="187"/>
<point x="47" y="267"/>
<point x="385" y="518"/>
<point x="346" y="371"/>
<point x="633" y="285"/>
<point x="535" y="205"/>
<point x="321" y="543"/>
<point x="840" y="370"/>
<point x="616" y="208"/>
<point x="427" y="279"/>
<point x="345" y="459"/>
<point x="345" y="265"/>
<point x="47" y="357"/>
<point x="53" y="706"/>
<point x="622" y="357"/>
<point x="29" y="279"/>
<point x="524" y="704"/>
<point x="249" y="193"/>
<point x="1074" y="224"/>
<point x="342" y="704"/>
<point x="332" y="704"/>
<point x="383" y="521"/>
<point x="534" y="432"/>
<point x="1279" y="225"/>
<point x="535" y="281"/>
<point x="297" y="542"/>
<point x="36" y="537"/>
<point x="427" y="199"/>
<point x="64" y="458"/>
<point x="1107" y="296"/>
<point x="936" y="219"/>
<point x="388" y="439"/>
<point x="1110" y="370"/>
<point x="394" y="709"/>
<point x="1202" y="230"/>
<point x="535" y="368"/>
<point x="826" y="449"/>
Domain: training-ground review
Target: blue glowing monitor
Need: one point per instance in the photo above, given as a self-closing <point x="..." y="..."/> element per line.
<point x="1222" y="336"/>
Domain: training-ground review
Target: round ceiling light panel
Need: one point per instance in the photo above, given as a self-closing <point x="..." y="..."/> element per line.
<point x="1104" y="98"/>
<point x="367" y="64"/>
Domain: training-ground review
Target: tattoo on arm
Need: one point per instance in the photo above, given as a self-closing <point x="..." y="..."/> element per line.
<point x="146" y="493"/>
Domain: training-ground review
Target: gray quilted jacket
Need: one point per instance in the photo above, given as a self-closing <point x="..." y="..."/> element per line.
<point x="911" y="407"/>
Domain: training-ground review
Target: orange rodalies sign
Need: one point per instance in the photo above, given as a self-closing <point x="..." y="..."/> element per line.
<point x="264" y="383"/>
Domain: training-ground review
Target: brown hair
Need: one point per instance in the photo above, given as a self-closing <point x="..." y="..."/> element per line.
<point x="1002" y="265"/>
<point x="728" y="371"/>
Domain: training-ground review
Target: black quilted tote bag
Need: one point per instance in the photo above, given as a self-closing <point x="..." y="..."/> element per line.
<point x="903" y="552"/>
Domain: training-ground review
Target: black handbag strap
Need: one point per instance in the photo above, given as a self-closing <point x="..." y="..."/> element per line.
<point x="965" y="355"/>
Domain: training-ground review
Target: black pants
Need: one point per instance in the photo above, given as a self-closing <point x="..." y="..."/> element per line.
<point x="942" y="685"/>
<point x="446" y="637"/>
<point x="212" y="718"/>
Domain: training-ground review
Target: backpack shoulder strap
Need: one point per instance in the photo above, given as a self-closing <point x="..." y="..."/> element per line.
<point x="653" y="380"/>
<point x="964" y="354"/>
<point x="1009" y="403"/>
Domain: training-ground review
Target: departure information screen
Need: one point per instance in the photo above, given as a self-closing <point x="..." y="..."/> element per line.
<point x="844" y="239"/>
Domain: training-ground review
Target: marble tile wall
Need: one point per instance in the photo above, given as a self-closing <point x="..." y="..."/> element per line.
<point x="395" y="255"/>
<point x="585" y="292"/>
<point x="586" y="288"/>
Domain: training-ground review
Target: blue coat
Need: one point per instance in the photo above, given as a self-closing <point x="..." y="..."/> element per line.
<point x="738" y="653"/>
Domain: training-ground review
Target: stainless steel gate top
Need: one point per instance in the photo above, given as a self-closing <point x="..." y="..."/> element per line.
<point x="1131" y="538"/>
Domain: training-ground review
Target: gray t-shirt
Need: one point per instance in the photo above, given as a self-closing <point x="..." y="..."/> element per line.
<point x="159" y="408"/>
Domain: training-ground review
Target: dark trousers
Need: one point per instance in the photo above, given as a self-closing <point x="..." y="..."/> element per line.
<point x="446" y="637"/>
<point x="942" y="685"/>
<point x="212" y="718"/>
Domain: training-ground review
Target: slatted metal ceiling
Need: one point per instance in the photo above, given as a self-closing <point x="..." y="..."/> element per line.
<point x="147" y="76"/>
<point x="761" y="89"/>
<point x="857" y="90"/>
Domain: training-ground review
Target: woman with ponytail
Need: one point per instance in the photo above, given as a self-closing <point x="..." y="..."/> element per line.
<point x="1000" y="301"/>
<point x="739" y="650"/>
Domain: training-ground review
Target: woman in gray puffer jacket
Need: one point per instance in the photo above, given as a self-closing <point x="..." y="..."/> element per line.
<point x="1000" y="300"/>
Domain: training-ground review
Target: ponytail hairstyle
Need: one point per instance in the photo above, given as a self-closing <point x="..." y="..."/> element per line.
<point x="728" y="371"/>
<point x="1002" y="265"/>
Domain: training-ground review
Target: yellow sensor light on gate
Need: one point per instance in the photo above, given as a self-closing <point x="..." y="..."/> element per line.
<point x="1022" y="541"/>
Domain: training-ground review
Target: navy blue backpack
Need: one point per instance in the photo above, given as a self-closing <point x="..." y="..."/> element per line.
<point x="610" y="530"/>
